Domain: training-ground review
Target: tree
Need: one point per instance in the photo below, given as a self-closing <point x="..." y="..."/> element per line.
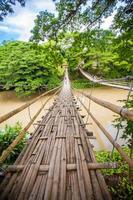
<point x="26" y="67"/>
<point x="77" y="14"/>
<point x="6" y="6"/>
<point x="102" y="52"/>
<point x="45" y="26"/>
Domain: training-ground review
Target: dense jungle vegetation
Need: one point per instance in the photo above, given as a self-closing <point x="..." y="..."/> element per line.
<point x="27" y="66"/>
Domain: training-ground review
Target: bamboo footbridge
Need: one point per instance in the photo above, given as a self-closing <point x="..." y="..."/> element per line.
<point x="105" y="82"/>
<point x="58" y="161"/>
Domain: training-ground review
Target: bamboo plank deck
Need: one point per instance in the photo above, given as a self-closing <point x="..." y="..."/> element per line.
<point x="58" y="162"/>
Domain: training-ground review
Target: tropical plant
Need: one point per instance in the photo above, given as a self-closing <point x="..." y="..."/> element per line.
<point x="26" y="67"/>
<point x="117" y="179"/>
<point x="77" y="14"/>
<point x="7" y="135"/>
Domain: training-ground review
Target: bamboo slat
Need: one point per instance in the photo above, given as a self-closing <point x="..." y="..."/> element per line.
<point x="57" y="162"/>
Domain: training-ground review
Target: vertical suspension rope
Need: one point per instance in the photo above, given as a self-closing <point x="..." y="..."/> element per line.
<point x="89" y="106"/>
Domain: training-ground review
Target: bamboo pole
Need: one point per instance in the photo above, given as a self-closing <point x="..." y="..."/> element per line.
<point x="8" y="150"/>
<point x="128" y="114"/>
<point x="17" y="110"/>
<point x="116" y="145"/>
<point x="69" y="167"/>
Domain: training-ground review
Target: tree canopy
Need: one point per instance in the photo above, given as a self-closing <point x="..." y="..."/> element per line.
<point x="82" y="14"/>
<point x="26" y="67"/>
<point x="103" y="52"/>
<point x="6" y="6"/>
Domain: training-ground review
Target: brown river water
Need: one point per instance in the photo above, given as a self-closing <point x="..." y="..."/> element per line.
<point x="9" y="101"/>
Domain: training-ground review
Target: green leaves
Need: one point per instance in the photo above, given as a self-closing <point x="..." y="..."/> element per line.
<point x="101" y="51"/>
<point x="123" y="189"/>
<point x="7" y="135"/>
<point x="45" y="26"/>
<point x="126" y="125"/>
<point x="26" y="67"/>
<point x="7" y="7"/>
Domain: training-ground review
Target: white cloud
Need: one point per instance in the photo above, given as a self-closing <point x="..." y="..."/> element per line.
<point x="44" y="5"/>
<point x="4" y="29"/>
<point x="108" y="21"/>
<point x="22" y="21"/>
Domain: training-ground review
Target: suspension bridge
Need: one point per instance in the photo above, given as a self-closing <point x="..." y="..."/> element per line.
<point x="115" y="83"/>
<point x="58" y="161"/>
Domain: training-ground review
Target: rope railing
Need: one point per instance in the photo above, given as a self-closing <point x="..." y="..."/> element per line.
<point x="124" y="112"/>
<point x="20" y="136"/>
<point x="17" y="110"/>
<point x="103" y="82"/>
<point x="126" y="79"/>
<point x="107" y="134"/>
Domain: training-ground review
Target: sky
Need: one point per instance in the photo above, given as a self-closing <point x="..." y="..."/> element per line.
<point x="17" y="26"/>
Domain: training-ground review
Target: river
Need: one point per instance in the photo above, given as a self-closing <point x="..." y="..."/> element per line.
<point x="9" y="101"/>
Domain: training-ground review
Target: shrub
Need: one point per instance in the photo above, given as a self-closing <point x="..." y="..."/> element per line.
<point x="7" y="135"/>
<point x="117" y="179"/>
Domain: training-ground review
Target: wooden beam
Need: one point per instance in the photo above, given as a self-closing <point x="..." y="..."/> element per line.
<point x="70" y="167"/>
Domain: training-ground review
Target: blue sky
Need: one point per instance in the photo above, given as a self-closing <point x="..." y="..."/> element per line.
<point x="18" y="25"/>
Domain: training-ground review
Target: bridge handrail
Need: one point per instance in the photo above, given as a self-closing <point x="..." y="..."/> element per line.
<point x="107" y="134"/>
<point x="20" y="136"/>
<point x="17" y="110"/>
<point x="102" y="82"/>
<point x="124" y="112"/>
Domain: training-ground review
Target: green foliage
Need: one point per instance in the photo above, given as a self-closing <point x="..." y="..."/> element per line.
<point x="83" y="11"/>
<point x="77" y="14"/>
<point x="7" y="7"/>
<point x="26" y="67"/>
<point x="105" y="53"/>
<point x="123" y="189"/>
<point x="7" y="135"/>
<point x="126" y="126"/>
<point x="104" y="156"/>
<point x="100" y="52"/>
<point x="79" y="82"/>
<point x="45" y="25"/>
